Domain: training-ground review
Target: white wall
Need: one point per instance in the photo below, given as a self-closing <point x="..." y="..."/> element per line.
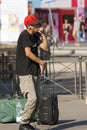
<point x="10" y="9"/>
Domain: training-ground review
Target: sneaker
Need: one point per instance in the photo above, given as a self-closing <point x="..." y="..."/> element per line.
<point x="26" y="127"/>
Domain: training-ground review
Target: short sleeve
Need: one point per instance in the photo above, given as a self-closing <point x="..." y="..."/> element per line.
<point x="25" y="40"/>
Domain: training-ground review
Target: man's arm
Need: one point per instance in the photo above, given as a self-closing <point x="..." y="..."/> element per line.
<point x="44" y="45"/>
<point x="33" y="57"/>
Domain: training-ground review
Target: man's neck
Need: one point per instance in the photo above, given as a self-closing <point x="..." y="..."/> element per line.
<point x="30" y="31"/>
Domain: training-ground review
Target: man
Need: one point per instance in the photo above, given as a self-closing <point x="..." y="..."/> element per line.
<point x="28" y="67"/>
<point x="82" y="37"/>
<point x="75" y="29"/>
<point x="30" y="7"/>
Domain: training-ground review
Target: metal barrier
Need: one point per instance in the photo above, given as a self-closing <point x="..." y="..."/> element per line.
<point x="72" y="52"/>
<point x="7" y="67"/>
<point x="8" y="78"/>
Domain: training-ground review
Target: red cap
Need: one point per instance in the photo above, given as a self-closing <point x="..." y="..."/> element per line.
<point x="31" y="20"/>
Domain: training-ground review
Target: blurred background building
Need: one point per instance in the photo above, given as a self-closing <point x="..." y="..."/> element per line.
<point x="13" y="13"/>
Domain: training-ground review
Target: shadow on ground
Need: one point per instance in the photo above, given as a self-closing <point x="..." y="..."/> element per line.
<point x="65" y="124"/>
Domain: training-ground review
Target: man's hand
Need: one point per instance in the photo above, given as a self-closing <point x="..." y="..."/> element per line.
<point x="43" y="67"/>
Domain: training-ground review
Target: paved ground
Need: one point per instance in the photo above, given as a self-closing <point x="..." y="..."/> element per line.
<point x="72" y="116"/>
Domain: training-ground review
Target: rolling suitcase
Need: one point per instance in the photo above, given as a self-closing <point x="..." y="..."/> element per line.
<point x="48" y="111"/>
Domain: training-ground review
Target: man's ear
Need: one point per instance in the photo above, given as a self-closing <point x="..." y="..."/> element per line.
<point x="30" y="27"/>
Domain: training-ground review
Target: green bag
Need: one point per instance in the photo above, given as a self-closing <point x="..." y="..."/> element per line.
<point x="8" y="110"/>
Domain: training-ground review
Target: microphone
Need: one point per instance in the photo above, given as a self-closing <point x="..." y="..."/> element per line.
<point x="45" y="33"/>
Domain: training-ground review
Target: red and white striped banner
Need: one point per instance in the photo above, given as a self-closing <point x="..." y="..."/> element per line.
<point x="79" y="3"/>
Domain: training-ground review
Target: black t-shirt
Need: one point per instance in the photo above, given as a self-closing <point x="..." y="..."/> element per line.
<point x="81" y="24"/>
<point x="24" y="65"/>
